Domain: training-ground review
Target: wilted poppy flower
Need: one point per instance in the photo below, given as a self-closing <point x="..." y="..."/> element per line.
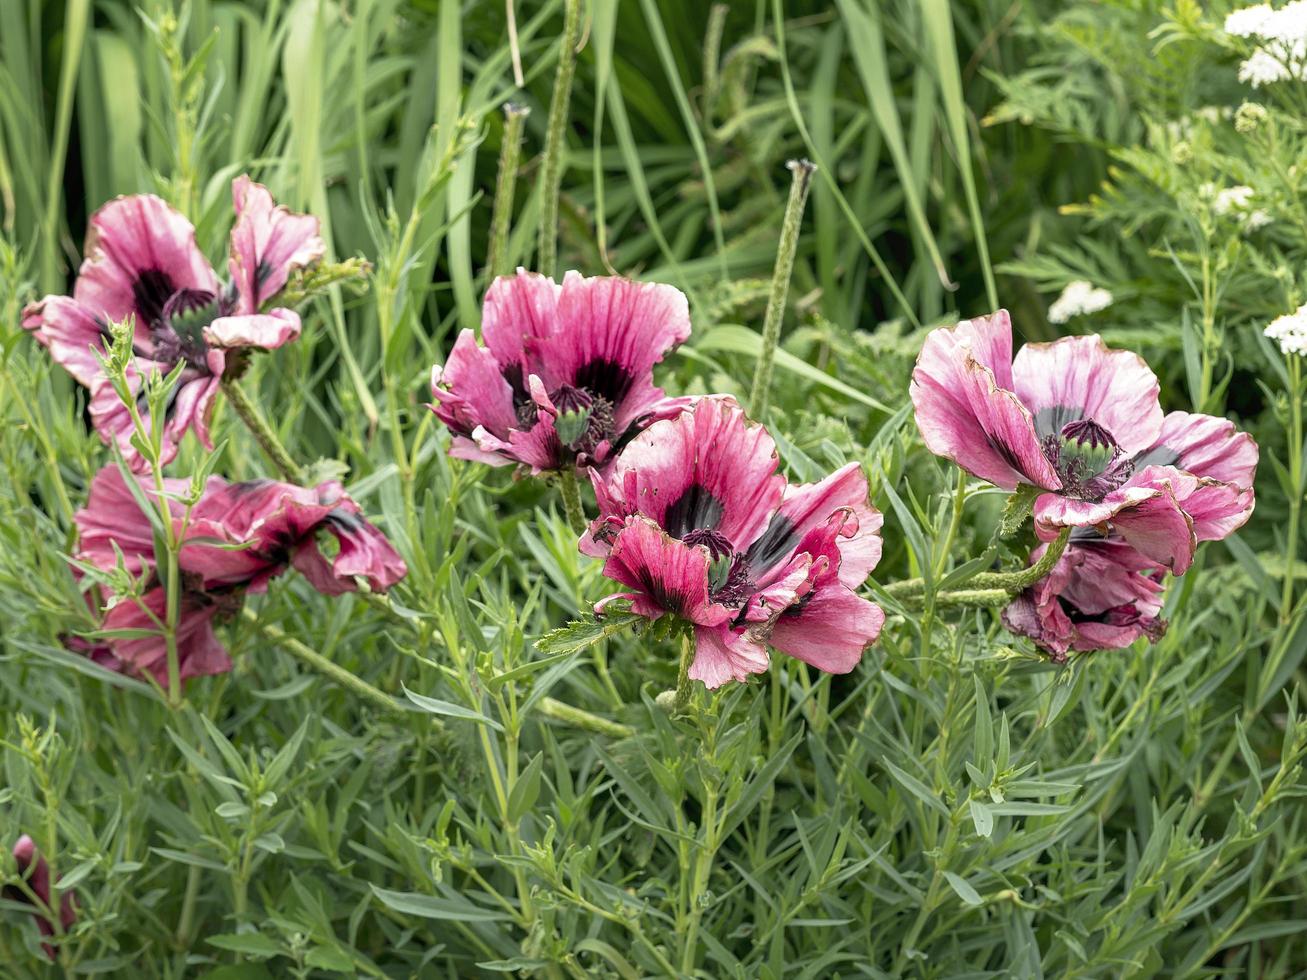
<point x="566" y="373"/>
<point x="695" y="521"/>
<point x="1084" y="423"/>
<point x="1101" y="595"/>
<point x="141" y="260"/>
<point x="239" y="537"/>
<point x="34" y="869"/>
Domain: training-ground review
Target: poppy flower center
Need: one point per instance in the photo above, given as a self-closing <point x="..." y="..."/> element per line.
<point x="1087" y="459"/>
<point x="584" y="420"/>
<point x="176" y="318"/>
<point x="728" y="570"/>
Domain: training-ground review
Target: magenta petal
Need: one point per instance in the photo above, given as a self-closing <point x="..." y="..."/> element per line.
<point x="611" y="333"/>
<point x="830" y="630"/>
<point x="199" y="653"/>
<point x="666" y="575"/>
<point x="1079" y="377"/>
<point x="70" y="332"/>
<point x="138" y="252"/>
<point x="34" y="868"/>
<point x="708" y="467"/>
<point x="723" y="654"/>
<point x="519" y="316"/>
<point x="1218" y="509"/>
<point x="1204" y="446"/>
<point x="470" y="391"/>
<point x="112" y="517"/>
<point x="809" y="505"/>
<point x="363" y="552"/>
<point x="266" y="331"/>
<point x="1159" y="529"/>
<point x="965" y="412"/>
<point x="268" y="242"/>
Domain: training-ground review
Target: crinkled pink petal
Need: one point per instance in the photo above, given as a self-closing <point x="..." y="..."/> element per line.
<point x="139" y="251"/>
<point x="1079" y="377"/>
<point x="70" y="332"/>
<point x="1218" y="509"/>
<point x="518" y="318"/>
<point x="1205" y="446"/>
<point x="268" y="242"/>
<point x="199" y="654"/>
<point x="666" y="575"/>
<point x="830" y="630"/>
<point x="112" y="516"/>
<point x="810" y="505"/>
<point x="363" y="552"/>
<point x="967" y="414"/>
<point x="708" y="467"/>
<point x="611" y="332"/>
<point x="723" y="654"/>
<point x="1147" y="512"/>
<point x="266" y="331"/>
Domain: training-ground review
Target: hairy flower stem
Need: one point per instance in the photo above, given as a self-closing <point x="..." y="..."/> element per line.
<point x="505" y="185"/>
<point x="262" y="432"/>
<point x="683" y="683"/>
<point x="1010" y="583"/>
<point x="570" y="488"/>
<point x="801" y="171"/>
<point x="551" y="171"/>
<point x="320" y="663"/>
<point x="577" y="718"/>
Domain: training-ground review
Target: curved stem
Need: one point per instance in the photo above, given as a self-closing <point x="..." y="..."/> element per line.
<point x="1017" y="581"/>
<point x="320" y="663"/>
<point x="262" y="432"/>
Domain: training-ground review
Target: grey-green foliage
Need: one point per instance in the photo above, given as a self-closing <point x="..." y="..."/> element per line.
<point x="955" y="807"/>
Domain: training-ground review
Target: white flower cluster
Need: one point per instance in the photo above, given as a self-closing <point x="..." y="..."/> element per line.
<point x="1290" y="331"/>
<point x="1078" y="298"/>
<point x="1236" y="202"/>
<point x="1283" y="31"/>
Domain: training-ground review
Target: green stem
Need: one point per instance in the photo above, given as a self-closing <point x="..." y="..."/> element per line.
<point x="801" y="171"/>
<point x="505" y="186"/>
<point x="973" y="597"/>
<point x="262" y="432"/>
<point x="1015" y="582"/>
<point x="320" y="663"/>
<point x="1295" y="481"/>
<point x="551" y="172"/>
<point x="571" y="491"/>
<point x="579" y="718"/>
<point x="1009" y="582"/>
<point x="684" y="686"/>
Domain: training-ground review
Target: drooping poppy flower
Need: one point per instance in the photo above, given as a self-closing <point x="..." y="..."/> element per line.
<point x="566" y="373"/>
<point x="697" y="523"/>
<point x="1100" y="595"/>
<point x="238" y="538"/>
<point x="1083" y="423"/>
<point x="36" y="872"/>
<point x="141" y="261"/>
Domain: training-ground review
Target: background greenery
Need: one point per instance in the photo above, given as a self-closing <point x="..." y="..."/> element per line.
<point x="955" y="807"/>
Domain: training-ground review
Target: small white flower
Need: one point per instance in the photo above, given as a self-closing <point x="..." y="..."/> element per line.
<point x="1288" y="24"/>
<point x="1078" y="298"/>
<point x="1257" y="219"/>
<point x="1236" y="202"/>
<point x="1248" y="21"/>
<point x="1229" y="199"/>
<point x="1290" y="331"/>
<point x="1263" y="68"/>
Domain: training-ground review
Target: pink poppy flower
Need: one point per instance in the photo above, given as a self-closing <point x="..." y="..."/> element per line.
<point x="695" y="521"/>
<point x="141" y="260"/>
<point x="239" y="537"/>
<point x="37" y="873"/>
<point x="1101" y="595"/>
<point x="566" y="373"/>
<point x="1084" y="423"/>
